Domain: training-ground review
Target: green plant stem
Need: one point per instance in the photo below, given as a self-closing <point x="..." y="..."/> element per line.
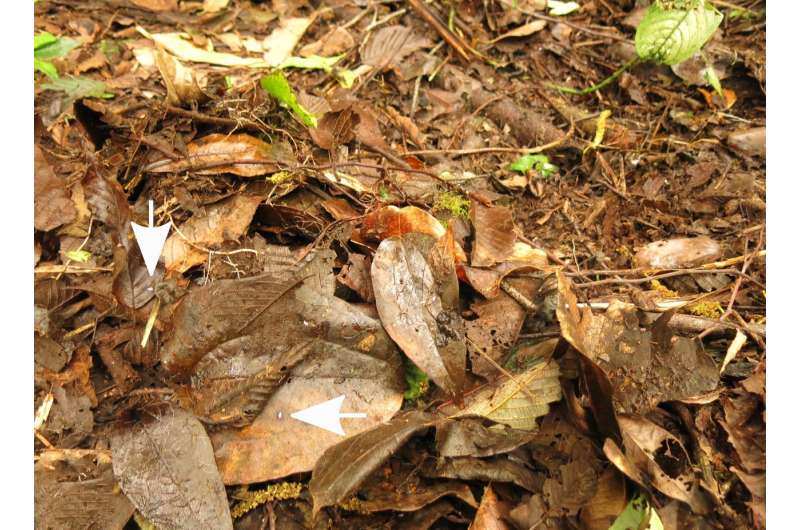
<point x="602" y="84"/>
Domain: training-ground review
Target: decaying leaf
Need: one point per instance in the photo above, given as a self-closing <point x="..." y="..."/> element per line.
<point x="109" y="204"/>
<point x="606" y="503"/>
<point x="226" y="220"/>
<point x="401" y="493"/>
<point x="498" y="469"/>
<point x="228" y="153"/>
<point x="516" y="402"/>
<point x="522" y="31"/>
<point x="52" y="204"/>
<point x="390" y="45"/>
<point x="184" y="488"/>
<point x="334" y="42"/>
<point x="74" y="490"/>
<point x="239" y="338"/>
<point x="471" y="437"/>
<point x="391" y="221"/>
<point x="645" y="367"/>
<point x="646" y="447"/>
<point x="416" y="293"/>
<point x="344" y="466"/>
<point x="490" y="513"/>
<point x="494" y="235"/>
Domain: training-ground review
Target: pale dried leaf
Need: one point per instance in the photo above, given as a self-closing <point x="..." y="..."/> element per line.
<point x="181" y="46"/>
<point x="506" y="402"/>
<point x="279" y="44"/>
<point x="390" y="45"/>
<point x="678" y="253"/>
<point x="166" y="467"/>
<point x="182" y="84"/>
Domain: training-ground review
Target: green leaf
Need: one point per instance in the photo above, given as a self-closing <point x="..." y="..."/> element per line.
<point x="560" y="9"/>
<point x="538" y="162"/>
<point x="346" y="78"/>
<point x="43" y="39"/>
<point x="711" y="77"/>
<point x="670" y="36"/>
<point x="47" y="68"/>
<point x="81" y="256"/>
<point x="79" y="87"/>
<point x="46" y="46"/>
<point x="278" y="87"/>
<point x="315" y="62"/>
<point x="638" y="514"/>
<point x="416" y="379"/>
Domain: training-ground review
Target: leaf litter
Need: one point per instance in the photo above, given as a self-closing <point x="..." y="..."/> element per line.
<point x="549" y="315"/>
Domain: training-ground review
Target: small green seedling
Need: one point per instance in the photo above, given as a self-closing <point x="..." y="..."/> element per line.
<point x="47" y="46"/>
<point x="417" y="381"/>
<point x="278" y="87"/>
<point x="671" y="32"/>
<point x="79" y="87"/>
<point x="540" y="163"/>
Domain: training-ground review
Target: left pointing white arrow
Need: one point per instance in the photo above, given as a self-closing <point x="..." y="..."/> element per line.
<point x="326" y="415"/>
<point x="151" y="239"/>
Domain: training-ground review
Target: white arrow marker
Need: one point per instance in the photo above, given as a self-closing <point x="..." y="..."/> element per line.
<point x="151" y="239"/>
<point x="326" y="415"/>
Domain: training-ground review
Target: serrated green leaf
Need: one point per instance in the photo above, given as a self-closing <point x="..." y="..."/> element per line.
<point x="47" y="68"/>
<point x="81" y="256"/>
<point x="278" y="87"/>
<point x="638" y="514"/>
<point x="560" y="9"/>
<point x="79" y="87"/>
<point x="538" y="162"/>
<point x="670" y="36"/>
<point x="47" y="46"/>
<point x="315" y="62"/>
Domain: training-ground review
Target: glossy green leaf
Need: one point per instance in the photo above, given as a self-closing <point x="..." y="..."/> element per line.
<point x="79" y="87"/>
<point x="670" y="36"/>
<point x="43" y="39"/>
<point x="278" y="87"/>
<point x="638" y="515"/>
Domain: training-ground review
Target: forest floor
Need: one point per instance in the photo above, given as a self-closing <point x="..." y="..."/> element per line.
<point x="546" y="309"/>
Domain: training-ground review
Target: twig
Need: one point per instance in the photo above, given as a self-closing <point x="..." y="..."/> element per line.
<point x="453" y="40"/>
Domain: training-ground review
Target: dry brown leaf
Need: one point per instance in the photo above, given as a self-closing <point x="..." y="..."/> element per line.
<point x="227" y="220"/>
<point x="391" y="221"/>
<point x="607" y="502"/>
<point x="346" y="465"/>
<point x="498" y="469"/>
<point x="51" y="202"/>
<point x="334" y="42"/>
<point x="646" y="444"/>
<point x="416" y="294"/>
<point x="219" y="153"/>
<point x="78" y="491"/>
<point x="235" y="337"/>
<point x="471" y="437"/>
<point x="184" y="489"/>
<point x="182" y="83"/>
<point x="390" y="45"/>
<point x="156" y="5"/>
<point x="490" y="513"/>
<point x="522" y="31"/>
<point x="644" y="368"/>
<point x="494" y="234"/>
<point x="400" y="494"/>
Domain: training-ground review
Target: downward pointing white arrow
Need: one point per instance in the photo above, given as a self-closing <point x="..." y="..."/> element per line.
<point x="326" y="415"/>
<point x="151" y="239"/>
